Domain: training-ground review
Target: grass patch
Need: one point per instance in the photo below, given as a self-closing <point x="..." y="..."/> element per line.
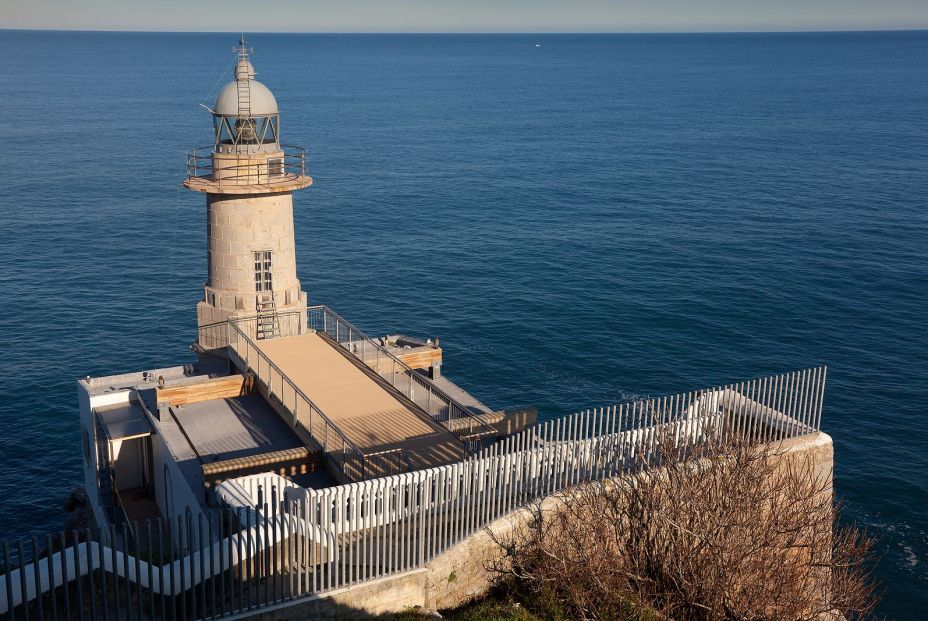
<point x="507" y="602"/>
<point x="491" y="610"/>
<point x="482" y="610"/>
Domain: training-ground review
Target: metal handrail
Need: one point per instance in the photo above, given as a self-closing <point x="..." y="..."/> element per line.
<point x="484" y="429"/>
<point x="297" y="392"/>
<point x="210" y="330"/>
<point x="290" y="165"/>
<point x="472" y="430"/>
<point x="402" y="452"/>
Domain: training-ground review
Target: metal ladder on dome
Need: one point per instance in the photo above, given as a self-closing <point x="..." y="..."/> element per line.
<point x="243" y="86"/>
<point x="268" y="320"/>
<point x="244" y="97"/>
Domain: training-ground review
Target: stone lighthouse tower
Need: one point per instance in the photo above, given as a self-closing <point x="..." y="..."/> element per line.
<point x="249" y="178"/>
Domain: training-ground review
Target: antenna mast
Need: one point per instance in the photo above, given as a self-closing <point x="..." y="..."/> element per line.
<point x="242" y="49"/>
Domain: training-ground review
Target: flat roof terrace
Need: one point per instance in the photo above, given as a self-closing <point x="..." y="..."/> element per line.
<point x="369" y="414"/>
<point x="230" y="428"/>
<point x="238" y="432"/>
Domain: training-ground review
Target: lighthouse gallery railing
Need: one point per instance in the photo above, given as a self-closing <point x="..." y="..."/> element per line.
<point x="247" y="169"/>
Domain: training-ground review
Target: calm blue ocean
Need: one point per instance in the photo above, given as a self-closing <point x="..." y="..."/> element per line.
<point x="592" y="219"/>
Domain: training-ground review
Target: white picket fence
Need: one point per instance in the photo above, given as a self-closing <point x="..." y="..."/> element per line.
<point x="398" y="523"/>
<point x="303" y="541"/>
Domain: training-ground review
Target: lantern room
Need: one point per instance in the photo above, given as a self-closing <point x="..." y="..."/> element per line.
<point x="246" y="156"/>
<point x="246" y="118"/>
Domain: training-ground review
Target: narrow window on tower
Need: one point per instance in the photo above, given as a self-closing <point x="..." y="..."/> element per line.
<point x="263" y="271"/>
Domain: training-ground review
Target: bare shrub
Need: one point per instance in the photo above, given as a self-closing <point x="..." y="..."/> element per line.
<point x="731" y="532"/>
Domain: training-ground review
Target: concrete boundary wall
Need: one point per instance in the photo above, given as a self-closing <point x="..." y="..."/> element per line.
<point x="464" y="572"/>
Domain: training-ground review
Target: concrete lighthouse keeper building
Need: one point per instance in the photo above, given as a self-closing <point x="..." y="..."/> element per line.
<point x="249" y="178"/>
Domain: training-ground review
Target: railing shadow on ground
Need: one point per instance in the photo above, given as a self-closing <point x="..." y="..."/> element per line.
<point x="435" y="402"/>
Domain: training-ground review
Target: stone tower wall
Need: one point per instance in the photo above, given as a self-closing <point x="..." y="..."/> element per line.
<point x="237" y="227"/>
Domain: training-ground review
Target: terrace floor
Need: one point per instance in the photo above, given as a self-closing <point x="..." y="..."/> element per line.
<point x="221" y="429"/>
<point x="367" y="413"/>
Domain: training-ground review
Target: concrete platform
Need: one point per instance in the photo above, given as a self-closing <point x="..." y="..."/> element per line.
<point x="366" y="412"/>
<point x="222" y="429"/>
<point x="461" y="396"/>
<point x="210" y="431"/>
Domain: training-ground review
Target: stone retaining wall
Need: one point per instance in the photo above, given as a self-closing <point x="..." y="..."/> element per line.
<point x="464" y="572"/>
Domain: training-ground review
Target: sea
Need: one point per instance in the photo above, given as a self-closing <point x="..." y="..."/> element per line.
<point x="580" y="219"/>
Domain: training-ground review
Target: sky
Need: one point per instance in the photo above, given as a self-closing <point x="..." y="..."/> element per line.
<point x="464" y="15"/>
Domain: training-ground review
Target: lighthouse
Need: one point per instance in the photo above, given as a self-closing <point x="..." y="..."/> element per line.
<point x="249" y="178"/>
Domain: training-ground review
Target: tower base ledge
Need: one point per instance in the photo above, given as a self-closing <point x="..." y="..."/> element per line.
<point x="287" y="183"/>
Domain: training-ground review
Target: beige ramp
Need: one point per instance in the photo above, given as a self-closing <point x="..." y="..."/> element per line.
<point x="366" y="412"/>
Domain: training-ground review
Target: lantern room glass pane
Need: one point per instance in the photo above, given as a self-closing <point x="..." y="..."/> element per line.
<point x="275" y="129"/>
<point x="257" y="130"/>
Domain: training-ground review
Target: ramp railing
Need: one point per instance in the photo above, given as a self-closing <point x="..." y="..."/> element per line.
<point x="418" y="388"/>
<point x="340" y="451"/>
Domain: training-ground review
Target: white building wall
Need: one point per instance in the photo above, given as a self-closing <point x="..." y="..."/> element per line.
<point x="172" y="493"/>
<point x="89" y="443"/>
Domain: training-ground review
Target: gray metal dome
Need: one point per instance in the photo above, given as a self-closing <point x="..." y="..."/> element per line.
<point x="261" y="101"/>
<point x="244" y="69"/>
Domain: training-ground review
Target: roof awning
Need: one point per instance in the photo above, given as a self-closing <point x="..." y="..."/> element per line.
<point x="124" y="421"/>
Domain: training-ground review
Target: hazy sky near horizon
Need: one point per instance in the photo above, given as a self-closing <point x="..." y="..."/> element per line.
<point x="464" y="15"/>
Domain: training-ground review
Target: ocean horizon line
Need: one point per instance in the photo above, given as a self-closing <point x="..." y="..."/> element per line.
<point x="484" y="33"/>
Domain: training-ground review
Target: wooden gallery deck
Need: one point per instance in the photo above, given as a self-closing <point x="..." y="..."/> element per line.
<point x="369" y="414"/>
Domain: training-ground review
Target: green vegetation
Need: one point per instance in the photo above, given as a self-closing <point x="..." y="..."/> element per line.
<point x="508" y="603"/>
<point x="489" y="609"/>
